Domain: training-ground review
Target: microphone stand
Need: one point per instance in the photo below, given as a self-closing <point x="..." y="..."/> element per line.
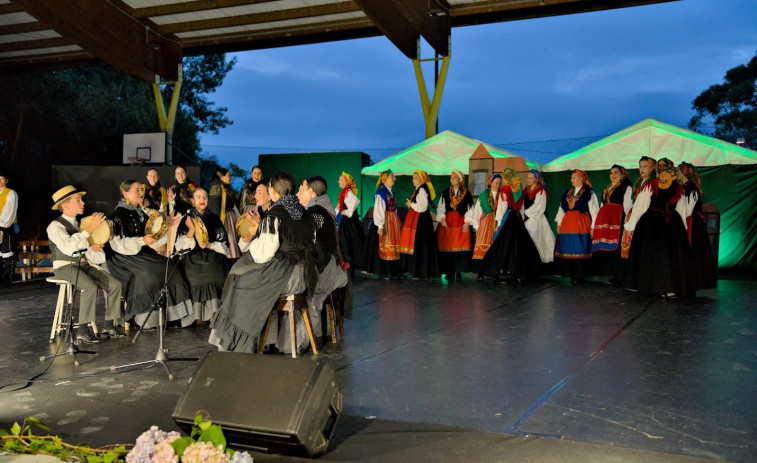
<point x="73" y="347"/>
<point x="159" y="304"/>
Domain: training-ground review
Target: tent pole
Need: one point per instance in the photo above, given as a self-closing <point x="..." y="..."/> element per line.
<point x="431" y="108"/>
<point x="167" y="121"/>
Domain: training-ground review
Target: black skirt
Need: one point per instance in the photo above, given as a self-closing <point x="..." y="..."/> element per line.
<point x="206" y="271"/>
<point x="371" y="262"/>
<point x="424" y="262"/>
<point x="142" y="276"/>
<point x="513" y="253"/>
<point x="351" y="239"/>
<point x="704" y="267"/>
<point x="659" y="260"/>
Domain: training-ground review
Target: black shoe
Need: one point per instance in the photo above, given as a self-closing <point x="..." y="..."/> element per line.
<point x="113" y="333"/>
<point x="87" y="339"/>
<point x="459" y="276"/>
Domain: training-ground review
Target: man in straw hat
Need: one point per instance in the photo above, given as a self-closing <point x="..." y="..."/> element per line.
<point x="8" y="208"/>
<point x="67" y="244"/>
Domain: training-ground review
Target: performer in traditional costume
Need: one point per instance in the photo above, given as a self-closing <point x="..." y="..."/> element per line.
<point x="660" y="260"/>
<point x="222" y="203"/>
<point x="83" y="270"/>
<point x="704" y="267"/>
<point x="156" y="196"/>
<point x="513" y="254"/>
<point x="575" y="218"/>
<point x="418" y="241"/>
<point x="8" y="209"/>
<point x="203" y="234"/>
<point x="351" y="235"/>
<point x="381" y="254"/>
<point x="180" y="193"/>
<point x="533" y="205"/>
<point x="454" y="234"/>
<point x="247" y="194"/>
<point x="138" y="267"/>
<point x="485" y="219"/>
<point x="608" y="226"/>
<point x="281" y="260"/>
<point x="647" y="168"/>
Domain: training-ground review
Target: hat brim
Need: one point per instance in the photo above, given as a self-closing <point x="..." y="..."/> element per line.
<point x="58" y="203"/>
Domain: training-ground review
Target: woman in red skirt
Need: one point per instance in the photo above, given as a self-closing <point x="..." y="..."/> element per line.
<point x="418" y="241"/>
<point x="605" y="237"/>
<point x="453" y="235"/>
<point x="578" y="209"/>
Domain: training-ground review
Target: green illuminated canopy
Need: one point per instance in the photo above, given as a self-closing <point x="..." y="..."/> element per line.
<point x="438" y="155"/>
<point x="657" y="139"/>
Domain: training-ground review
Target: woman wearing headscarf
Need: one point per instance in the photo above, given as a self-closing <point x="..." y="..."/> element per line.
<point x="533" y="204"/>
<point x="381" y="254"/>
<point x="351" y="235"/>
<point x="221" y="202"/>
<point x="418" y="241"/>
<point x="659" y="260"/>
<point x="513" y="254"/>
<point x="647" y="168"/>
<point x="704" y="267"/>
<point x="247" y="200"/>
<point x="575" y="217"/>
<point x="281" y="260"/>
<point x="202" y="234"/>
<point x="606" y="234"/>
<point x="453" y="235"/>
<point x="180" y="193"/>
<point x="485" y="219"/>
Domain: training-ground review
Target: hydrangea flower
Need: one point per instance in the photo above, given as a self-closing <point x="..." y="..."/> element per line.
<point x="204" y="452"/>
<point x="241" y="457"/>
<point x="164" y="453"/>
<point x="144" y="449"/>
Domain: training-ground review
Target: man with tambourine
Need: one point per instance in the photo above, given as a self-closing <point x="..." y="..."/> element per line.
<point x="70" y="247"/>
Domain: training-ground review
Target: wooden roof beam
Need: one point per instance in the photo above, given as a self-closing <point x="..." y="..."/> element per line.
<point x="392" y="23"/>
<point x="431" y="19"/>
<point x="111" y="34"/>
<point x="191" y="7"/>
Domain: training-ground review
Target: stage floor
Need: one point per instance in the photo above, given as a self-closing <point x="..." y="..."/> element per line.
<point x="467" y="371"/>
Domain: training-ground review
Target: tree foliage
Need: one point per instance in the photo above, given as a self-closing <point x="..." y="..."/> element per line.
<point x="732" y="105"/>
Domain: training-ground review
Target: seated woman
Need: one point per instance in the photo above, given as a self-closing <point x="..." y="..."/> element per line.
<point x="513" y="254"/>
<point x="280" y="260"/>
<point x="418" y="241"/>
<point x="206" y="264"/>
<point x="222" y="203"/>
<point x="139" y="268"/>
<point x="351" y="234"/>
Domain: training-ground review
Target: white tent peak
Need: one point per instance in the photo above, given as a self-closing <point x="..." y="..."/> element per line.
<point x="651" y="137"/>
<point x="438" y="155"/>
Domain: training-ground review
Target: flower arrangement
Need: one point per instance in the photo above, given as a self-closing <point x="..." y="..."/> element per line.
<point x="206" y="444"/>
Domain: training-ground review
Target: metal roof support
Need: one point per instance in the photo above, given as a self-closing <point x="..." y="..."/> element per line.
<point x="431" y="109"/>
<point x="168" y="121"/>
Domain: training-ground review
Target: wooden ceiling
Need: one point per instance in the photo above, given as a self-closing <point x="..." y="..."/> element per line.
<point x="149" y="37"/>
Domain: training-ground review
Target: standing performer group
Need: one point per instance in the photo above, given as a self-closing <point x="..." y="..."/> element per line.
<point x="418" y="241"/>
<point x="351" y="235"/>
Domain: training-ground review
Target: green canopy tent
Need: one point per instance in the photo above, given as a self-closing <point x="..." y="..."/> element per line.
<point x="728" y="173"/>
<point x="438" y="155"/>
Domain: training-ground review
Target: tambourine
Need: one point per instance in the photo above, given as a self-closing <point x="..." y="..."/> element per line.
<point x="99" y="235"/>
<point x="243" y="226"/>
<point x="157" y="225"/>
<point x="201" y="232"/>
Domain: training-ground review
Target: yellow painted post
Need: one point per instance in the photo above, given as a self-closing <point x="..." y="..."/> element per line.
<point x="431" y="108"/>
<point x="167" y="121"/>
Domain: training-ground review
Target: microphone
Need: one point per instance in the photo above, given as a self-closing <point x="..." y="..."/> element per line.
<point x="180" y="253"/>
<point x="79" y="252"/>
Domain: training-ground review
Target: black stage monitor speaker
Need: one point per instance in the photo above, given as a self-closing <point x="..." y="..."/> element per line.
<point x="267" y="403"/>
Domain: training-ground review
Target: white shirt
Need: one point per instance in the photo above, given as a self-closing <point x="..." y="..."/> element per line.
<point x="69" y="244"/>
<point x="350" y="204"/>
<point x="131" y="246"/>
<point x="685" y="206"/>
<point x="538" y="207"/>
<point x="593" y="209"/>
<point x="184" y="242"/>
<point x="379" y="210"/>
<point x="441" y="211"/>
<point x="476" y="213"/>
<point x="8" y="214"/>
<point x="421" y="201"/>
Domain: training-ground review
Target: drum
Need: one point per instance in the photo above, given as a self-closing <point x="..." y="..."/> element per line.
<point x="157" y="225"/>
<point x="243" y="226"/>
<point x="201" y="232"/>
<point x="101" y="234"/>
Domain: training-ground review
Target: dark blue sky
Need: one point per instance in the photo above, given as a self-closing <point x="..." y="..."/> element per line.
<point x="578" y="76"/>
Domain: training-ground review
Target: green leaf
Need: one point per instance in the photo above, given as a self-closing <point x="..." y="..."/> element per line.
<point x="94" y="459"/>
<point x="204" y="425"/>
<point x="214" y="435"/>
<point x="37" y="423"/>
<point x="16" y="429"/>
<point x="181" y="444"/>
<point x="110" y="457"/>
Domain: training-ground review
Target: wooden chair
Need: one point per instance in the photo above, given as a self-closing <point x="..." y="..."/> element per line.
<point x="289" y="304"/>
<point x="334" y="315"/>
